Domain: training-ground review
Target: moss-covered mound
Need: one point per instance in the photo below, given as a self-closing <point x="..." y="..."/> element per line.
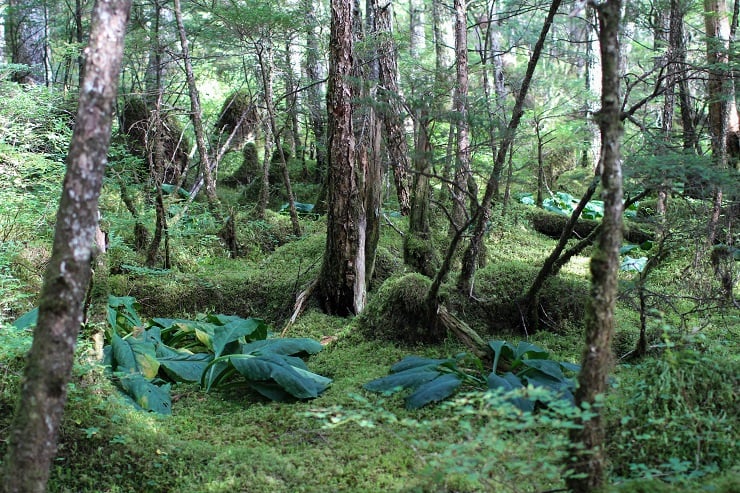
<point x="234" y="287"/>
<point x="238" y="109"/>
<point x="398" y="313"/>
<point x="499" y="288"/>
<point x="249" y="170"/>
<point x="135" y="123"/>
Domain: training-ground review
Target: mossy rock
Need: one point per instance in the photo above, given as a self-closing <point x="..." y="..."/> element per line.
<point x="398" y="312"/>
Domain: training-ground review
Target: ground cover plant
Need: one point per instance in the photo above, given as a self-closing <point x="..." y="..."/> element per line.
<point x="212" y="351"/>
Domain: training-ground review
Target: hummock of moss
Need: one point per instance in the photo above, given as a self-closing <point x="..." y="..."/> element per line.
<point x="238" y="107"/>
<point x="386" y="265"/>
<point x="249" y="170"/>
<point x="135" y="121"/>
<point x="230" y="286"/>
<point x="499" y="287"/>
<point x="398" y="312"/>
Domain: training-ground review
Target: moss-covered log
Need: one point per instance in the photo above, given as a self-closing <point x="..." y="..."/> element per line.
<point x="551" y="224"/>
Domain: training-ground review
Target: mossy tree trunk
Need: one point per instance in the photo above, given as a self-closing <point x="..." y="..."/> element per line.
<point x="587" y="442"/>
<point x="33" y="434"/>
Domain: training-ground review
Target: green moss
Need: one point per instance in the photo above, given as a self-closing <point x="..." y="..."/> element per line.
<point x="500" y="286"/>
<point x="398" y="311"/>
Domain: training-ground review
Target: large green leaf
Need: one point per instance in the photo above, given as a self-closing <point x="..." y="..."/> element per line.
<point x="27" y="320"/>
<point x="233" y="327"/>
<point x="546" y="366"/>
<point x="510" y="382"/>
<point x="287" y="346"/>
<point x="297" y="382"/>
<point x="433" y="391"/>
<point x="123" y="312"/>
<point x="181" y="365"/>
<point x="418" y="362"/>
<point x="409" y="378"/>
<point x="531" y="351"/>
<point x="147" y="395"/>
<point x="132" y="355"/>
<point x="501" y="349"/>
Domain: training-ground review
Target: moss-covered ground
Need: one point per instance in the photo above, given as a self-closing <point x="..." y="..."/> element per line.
<point x="353" y="441"/>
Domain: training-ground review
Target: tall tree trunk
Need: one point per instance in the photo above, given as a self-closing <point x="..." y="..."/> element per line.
<point x="389" y="93"/>
<point x="483" y="214"/>
<point x="418" y="39"/>
<point x="677" y="41"/>
<point x="444" y="40"/>
<point x="418" y="251"/>
<point x="462" y="164"/>
<point x="723" y="121"/>
<point x="663" y="42"/>
<point x="588" y="461"/>
<point x="368" y="131"/>
<point x="341" y="286"/>
<point x="314" y="97"/>
<point x="34" y="431"/>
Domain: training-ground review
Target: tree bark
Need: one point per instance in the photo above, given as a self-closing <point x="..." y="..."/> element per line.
<point x="483" y="213"/>
<point x="342" y="287"/>
<point x="26" y="39"/>
<point x="463" y="173"/>
<point x="33" y="434"/>
<point x="723" y="120"/>
<point x="389" y="93"/>
<point x="587" y="454"/>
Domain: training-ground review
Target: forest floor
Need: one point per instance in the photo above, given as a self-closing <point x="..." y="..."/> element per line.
<point x="351" y="440"/>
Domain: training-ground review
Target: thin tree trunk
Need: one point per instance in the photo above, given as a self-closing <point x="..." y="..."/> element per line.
<point x="483" y="214"/>
<point x="368" y="132"/>
<point x="33" y="434"/>
<point x="587" y="451"/>
<point x="196" y="118"/>
<point x="265" y="63"/>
